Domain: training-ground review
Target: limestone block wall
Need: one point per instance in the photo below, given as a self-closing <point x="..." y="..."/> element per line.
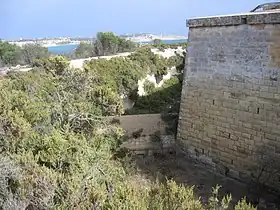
<point x="230" y="107"/>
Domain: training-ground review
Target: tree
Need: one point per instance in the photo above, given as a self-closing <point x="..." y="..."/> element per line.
<point x="98" y="48"/>
<point x="9" y="54"/>
<point x="126" y="45"/>
<point x="109" y="42"/>
<point x="157" y="41"/>
<point x="112" y="44"/>
<point x="31" y="52"/>
<point x="56" y="65"/>
<point x="85" y="50"/>
<point x="106" y="43"/>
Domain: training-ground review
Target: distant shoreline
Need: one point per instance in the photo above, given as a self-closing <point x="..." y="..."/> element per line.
<point x="67" y="48"/>
<point x="137" y="39"/>
<point x="59" y="44"/>
<point x="133" y="39"/>
<point x="78" y="63"/>
<point x="153" y="37"/>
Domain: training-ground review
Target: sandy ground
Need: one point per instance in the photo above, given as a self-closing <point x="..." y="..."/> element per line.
<point x="78" y="63"/>
<point x="5" y="70"/>
<point x="168" y="52"/>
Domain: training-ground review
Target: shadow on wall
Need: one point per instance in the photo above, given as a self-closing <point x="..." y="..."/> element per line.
<point x="151" y="125"/>
<point x="164" y="101"/>
<point x="265" y="168"/>
<point x="163" y="98"/>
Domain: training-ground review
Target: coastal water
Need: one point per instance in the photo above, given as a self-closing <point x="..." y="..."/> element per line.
<point x="63" y="49"/>
<point x="68" y="48"/>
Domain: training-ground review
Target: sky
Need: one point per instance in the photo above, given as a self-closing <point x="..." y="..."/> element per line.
<point x="55" y="18"/>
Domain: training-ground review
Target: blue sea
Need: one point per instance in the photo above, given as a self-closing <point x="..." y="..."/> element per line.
<point x="68" y="48"/>
<point x="63" y="49"/>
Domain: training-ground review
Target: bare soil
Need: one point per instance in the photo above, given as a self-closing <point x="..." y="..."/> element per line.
<point x="189" y="172"/>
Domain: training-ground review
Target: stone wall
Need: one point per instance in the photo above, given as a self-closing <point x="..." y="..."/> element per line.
<point x="146" y="133"/>
<point x="230" y="108"/>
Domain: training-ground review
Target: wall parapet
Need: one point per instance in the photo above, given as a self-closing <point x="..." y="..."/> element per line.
<point x="252" y="18"/>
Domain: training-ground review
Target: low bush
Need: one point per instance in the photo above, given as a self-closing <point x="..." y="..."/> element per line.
<point x="58" y="146"/>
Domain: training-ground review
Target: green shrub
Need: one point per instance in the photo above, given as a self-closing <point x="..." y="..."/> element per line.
<point x="161" y="99"/>
<point x="58" y="148"/>
<point x="107" y="43"/>
<point x="149" y="87"/>
<point x="243" y="205"/>
<point x="10" y="177"/>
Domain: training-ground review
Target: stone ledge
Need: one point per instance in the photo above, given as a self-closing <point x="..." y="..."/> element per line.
<point x="251" y="18"/>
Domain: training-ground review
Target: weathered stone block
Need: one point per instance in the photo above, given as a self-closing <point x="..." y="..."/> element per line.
<point x="231" y="91"/>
